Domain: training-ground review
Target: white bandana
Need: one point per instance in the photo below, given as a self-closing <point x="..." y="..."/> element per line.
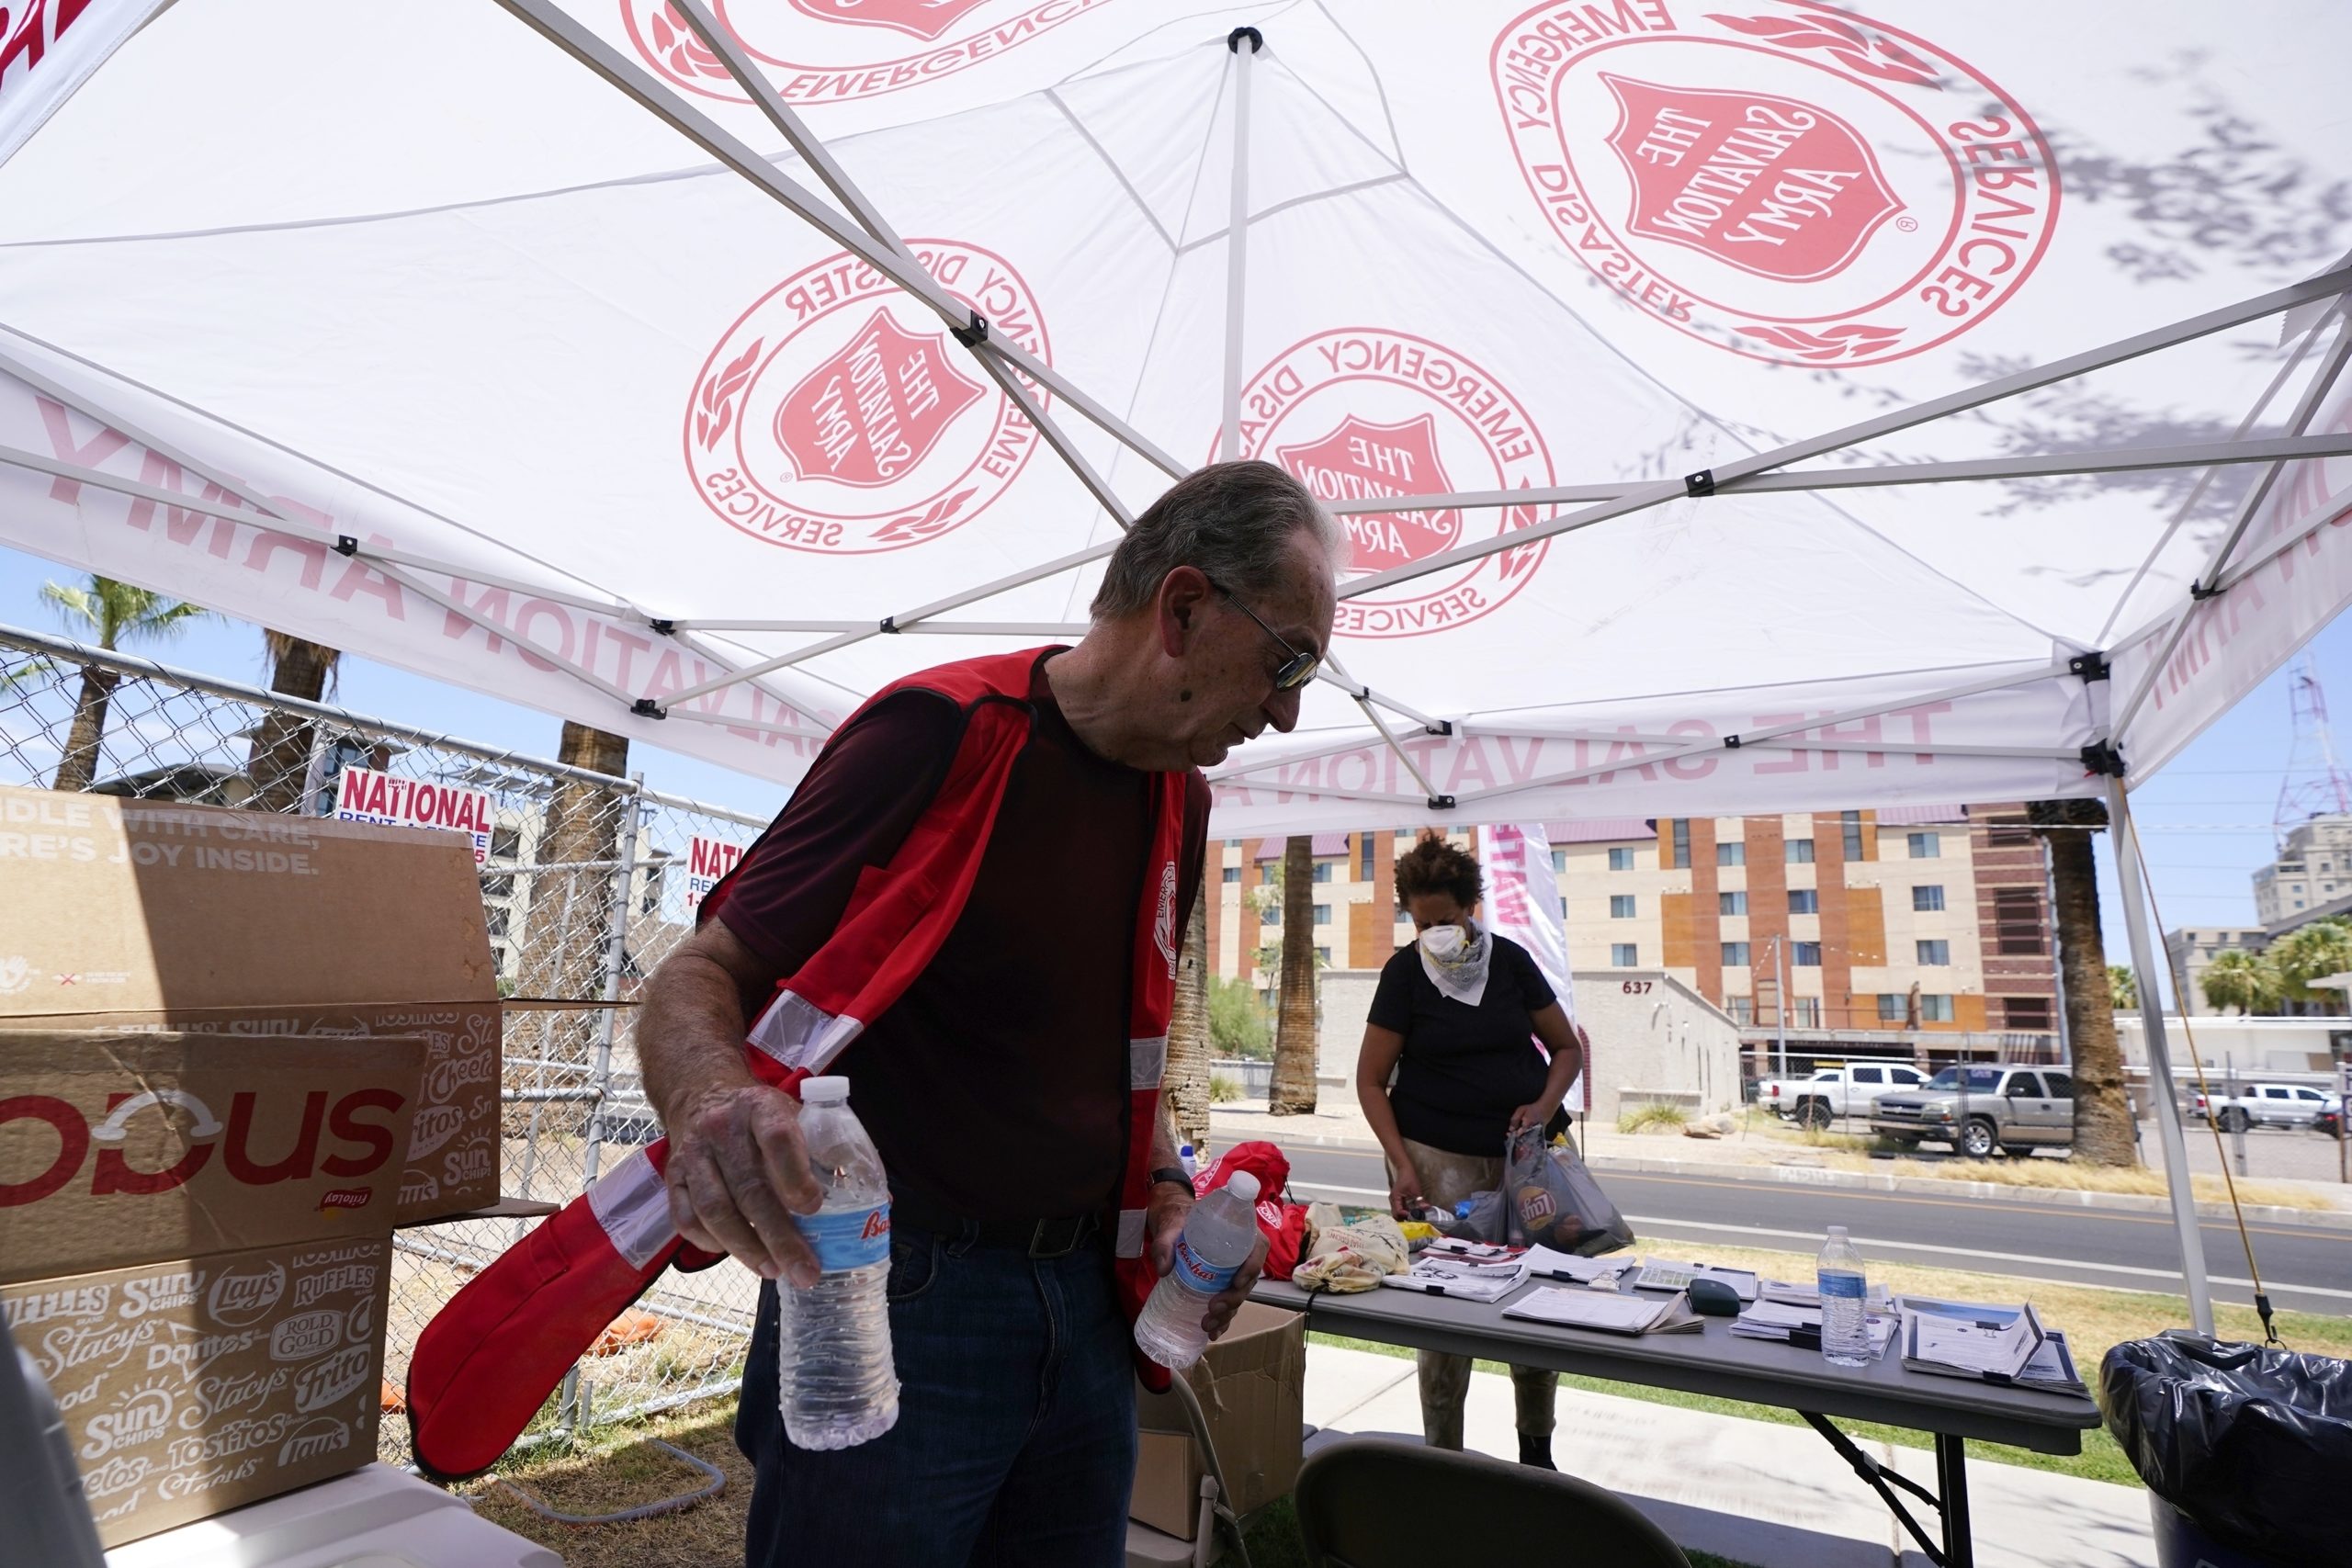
<point x="1456" y="965"/>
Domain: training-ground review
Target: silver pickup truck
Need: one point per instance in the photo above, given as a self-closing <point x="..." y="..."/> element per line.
<point x="1980" y="1109"/>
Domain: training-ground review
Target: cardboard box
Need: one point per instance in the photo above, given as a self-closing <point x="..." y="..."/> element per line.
<point x="1251" y="1386"/>
<point x="193" y="1386"/>
<point x="119" y="1148"/>
<point x="123" y="914"/>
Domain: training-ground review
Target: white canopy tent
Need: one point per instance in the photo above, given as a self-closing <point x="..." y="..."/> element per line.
<point x="400" y="329"/>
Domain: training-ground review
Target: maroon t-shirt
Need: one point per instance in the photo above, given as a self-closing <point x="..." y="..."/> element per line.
<point x="996" y="1085"/>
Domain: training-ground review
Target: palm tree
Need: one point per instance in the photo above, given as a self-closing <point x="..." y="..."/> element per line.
<point x="572" y="910"/>
<point x="2104" y="1134"/>
<point x="2320" y="949"/>
<point x="1296" y="1047"/>
<point x="2123" y="985"/>
<point x="112" y="615"/>
<point x="280" y="762"/>
<point x="2242" y="979"/>
<point x="1185" y="1079"/>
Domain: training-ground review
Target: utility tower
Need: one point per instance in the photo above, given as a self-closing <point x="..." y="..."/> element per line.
<point x="2315" y="783"/>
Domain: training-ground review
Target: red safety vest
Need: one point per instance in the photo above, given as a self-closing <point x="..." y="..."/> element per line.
<point x="488" y="1359"/>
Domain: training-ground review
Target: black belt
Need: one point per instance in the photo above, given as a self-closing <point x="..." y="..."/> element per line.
<point x="1039" y="1238"/>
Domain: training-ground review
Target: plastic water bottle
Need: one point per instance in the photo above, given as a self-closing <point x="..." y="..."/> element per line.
<point x="838" y="1385"/>
<point x="1184" y="1158"/>
<point x="1845" y="1333"/>
<point x="1219" y="1234"/>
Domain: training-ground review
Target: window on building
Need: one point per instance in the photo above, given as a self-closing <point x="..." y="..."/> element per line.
<point x="1735" y="954"/>
<point x="1731" y="903"/>
<point x="1742" y="1010"/>
<point x="1624" y="955"/>
<point x="1271" y="913"/>
<point x="1407" y="835"/>
<point x="1233" y="874"/>
<point x="1800" y="851"/>
<point x="2025" y="1013"/>
<point x="505" y="843"/>
<point x="1559" y="862"/>
<point x="1324" y="954"/>
<point x="1892" y="1007"/>
<point x="1925" y="846"/>
<point x="1681" y="841"/>
<point x="1621" y="860"/>
<point x="1935" y="953"/>
<point x="1564" y="906"/>
<point x="1851" y="823"/>
<point x="498" y="886"/>
<point x="1322" y="914"/>
<point x="494" y="919"/>
<point x="649" y="901"/>
<point x="1806" y="954"/>
<point x="1731" y="855"/>
<point x="1323" y="871"/>
<point x="1233" y="843"/>
<point x="1620" y="906"/>
<point x="1804" y="1012"/>
<point x="1928" y="898"/>
<point x="2017" y="925"/>
<point x="1363" y="857"/>
<point x="1803" y="901"/>
<point x="498" y="959"/>
<point x="1266" y="873"/>
<point x="2007" y="836"/>
<point x="1935" y="1010"/>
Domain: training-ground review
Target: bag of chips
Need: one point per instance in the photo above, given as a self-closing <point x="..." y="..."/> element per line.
<point x="1553" y="1200"/>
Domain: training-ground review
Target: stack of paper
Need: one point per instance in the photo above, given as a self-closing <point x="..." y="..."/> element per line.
<point x="1965" y="1339"/>
<point x="1789" y="1294"/>
<point x="1606" y="1311"/>
<point x="1798" y="1325"/>
<point x="1543" y="1263"/>
<point x="1471" y="1271"/>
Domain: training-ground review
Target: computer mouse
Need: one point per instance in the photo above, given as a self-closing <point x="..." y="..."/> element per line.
<point x="1712" y="1298"/>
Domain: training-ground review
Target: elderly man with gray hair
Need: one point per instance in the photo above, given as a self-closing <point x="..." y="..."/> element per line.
<point x="1001" y="1085"/>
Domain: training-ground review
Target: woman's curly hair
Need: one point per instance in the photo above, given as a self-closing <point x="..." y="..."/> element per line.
<point x="1433" y="865"/>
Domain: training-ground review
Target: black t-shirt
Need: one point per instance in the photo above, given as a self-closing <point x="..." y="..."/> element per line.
<point x="1014" y="1041"/>
<point x="1464" y="1068"/>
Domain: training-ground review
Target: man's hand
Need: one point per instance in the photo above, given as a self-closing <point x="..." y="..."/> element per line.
<point x="1164" y="1221"/>
<point x="737" y="1172"/>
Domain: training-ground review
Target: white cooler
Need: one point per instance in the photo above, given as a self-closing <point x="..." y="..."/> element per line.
<point x="375" y="1518"/>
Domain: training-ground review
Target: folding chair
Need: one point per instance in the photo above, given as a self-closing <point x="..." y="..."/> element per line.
<point x="1215" y="1527"/>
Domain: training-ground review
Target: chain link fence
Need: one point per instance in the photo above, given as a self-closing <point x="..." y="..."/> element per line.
<point x="588" y="882"/>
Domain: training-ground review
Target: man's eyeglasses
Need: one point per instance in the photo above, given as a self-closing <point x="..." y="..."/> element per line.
<point x="1297" y="669"/>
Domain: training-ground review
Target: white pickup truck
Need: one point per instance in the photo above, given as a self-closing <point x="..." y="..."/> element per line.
<point x="2269" y="1104"/>
<point x="1831" y="1092"/>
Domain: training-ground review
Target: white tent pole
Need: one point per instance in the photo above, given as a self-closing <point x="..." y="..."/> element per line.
<point x="1706" y="482"/>
<point x="561" y="28"/>
<point x="1096" y="485"/>
<point x="2208" y="581"/>
<point x="1236" y="239"/>
<point x="2160" y="1087"/>
<point x="918" y="629"/>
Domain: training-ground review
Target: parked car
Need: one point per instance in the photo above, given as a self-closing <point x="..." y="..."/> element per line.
<point x="2268" y="1105"/>
<point x="1850" y="1090"/>
<point x="1983" y="1108"/>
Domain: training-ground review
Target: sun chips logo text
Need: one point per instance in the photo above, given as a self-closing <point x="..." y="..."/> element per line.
<point x="1791" y="183"/>
<point x="837" y="415"/>
<point x="829" y="51"/>
<point x="1362" y="414"/>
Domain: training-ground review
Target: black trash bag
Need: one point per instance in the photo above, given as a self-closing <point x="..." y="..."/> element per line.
<point x="2254" y="1445"/>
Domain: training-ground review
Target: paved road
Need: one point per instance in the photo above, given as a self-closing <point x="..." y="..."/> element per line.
<point x="2304" y="1267"/>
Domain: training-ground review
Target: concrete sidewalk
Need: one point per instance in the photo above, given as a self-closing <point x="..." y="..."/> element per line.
<point x="1775" y="1497"/>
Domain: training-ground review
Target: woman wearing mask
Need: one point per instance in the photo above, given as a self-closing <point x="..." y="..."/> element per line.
<point x="1453" y="1019"/>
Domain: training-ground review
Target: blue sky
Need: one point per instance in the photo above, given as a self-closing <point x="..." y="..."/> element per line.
<point x="2205" y="818"/>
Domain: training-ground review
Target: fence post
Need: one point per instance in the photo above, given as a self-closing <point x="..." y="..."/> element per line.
<point x="572" y="1405"/>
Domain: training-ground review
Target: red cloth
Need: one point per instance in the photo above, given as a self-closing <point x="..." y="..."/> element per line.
<point x="1284" y="1225"/>
<point x="489" y="1357"/>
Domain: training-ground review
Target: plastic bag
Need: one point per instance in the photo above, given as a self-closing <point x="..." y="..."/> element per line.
<point x="1554" y="1201"/>
<point x="1478" y="1217"/>
<point x="1346" y="1258"/>
<point x="2252" y="1443"/>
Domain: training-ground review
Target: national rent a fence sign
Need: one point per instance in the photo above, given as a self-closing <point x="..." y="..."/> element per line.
<point x="363" y="795"/>
<point x="708" y="859"/>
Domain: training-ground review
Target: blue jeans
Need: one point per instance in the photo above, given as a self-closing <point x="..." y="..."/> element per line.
<point x="1016" y="1434"/>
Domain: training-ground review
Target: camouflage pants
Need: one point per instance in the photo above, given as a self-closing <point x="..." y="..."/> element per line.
<point x="1446" y="1179"/>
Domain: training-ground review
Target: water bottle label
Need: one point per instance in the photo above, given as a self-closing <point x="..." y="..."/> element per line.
<point x="847" y="1239"/>
<point x="1197" y="1274"/>
<point x="1843" y="1285"/>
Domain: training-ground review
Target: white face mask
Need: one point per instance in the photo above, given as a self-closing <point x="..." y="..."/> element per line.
<point x="1442" y="943"/>
<point x="1455" y="961"/>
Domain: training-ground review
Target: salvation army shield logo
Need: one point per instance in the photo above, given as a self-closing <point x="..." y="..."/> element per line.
<point x="830" y="51"/>
<point x="837" y="415"/>
<point x="1793" y="183"/>
<point x="1364" y="413"/>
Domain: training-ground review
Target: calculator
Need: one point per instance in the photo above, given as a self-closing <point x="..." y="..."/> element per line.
<point x="1662" y="1277"/>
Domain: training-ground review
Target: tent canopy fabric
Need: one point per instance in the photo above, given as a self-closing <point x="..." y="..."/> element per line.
<point x="402" y="329"/>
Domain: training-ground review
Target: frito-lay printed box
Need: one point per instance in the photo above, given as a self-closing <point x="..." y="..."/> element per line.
<point x="124" y="914"/>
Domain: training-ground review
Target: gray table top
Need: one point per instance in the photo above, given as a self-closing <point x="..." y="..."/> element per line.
<point x="1715" y="1361"/>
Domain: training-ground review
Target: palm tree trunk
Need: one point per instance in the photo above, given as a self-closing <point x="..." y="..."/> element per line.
<point x="1295" y="1047"/>
<point x="1185" y="1081"/>
<point x="79" y="768"/>
<point x="280" y="762"/>
<point x="2103" y="1129"/>
<point x="571" y="909"/>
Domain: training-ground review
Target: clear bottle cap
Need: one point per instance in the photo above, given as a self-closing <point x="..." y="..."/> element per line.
<point x="1242" y="1185"/>
<point x="824" y="1091"/>
<point x="1837" y="1233"/>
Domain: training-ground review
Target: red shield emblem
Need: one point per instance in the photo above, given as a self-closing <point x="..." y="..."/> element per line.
<point x="1361" y="461"/>
<point x="1774" y="186"/>
<point x="926" y="19"/>
<point x="875" y="409"/>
